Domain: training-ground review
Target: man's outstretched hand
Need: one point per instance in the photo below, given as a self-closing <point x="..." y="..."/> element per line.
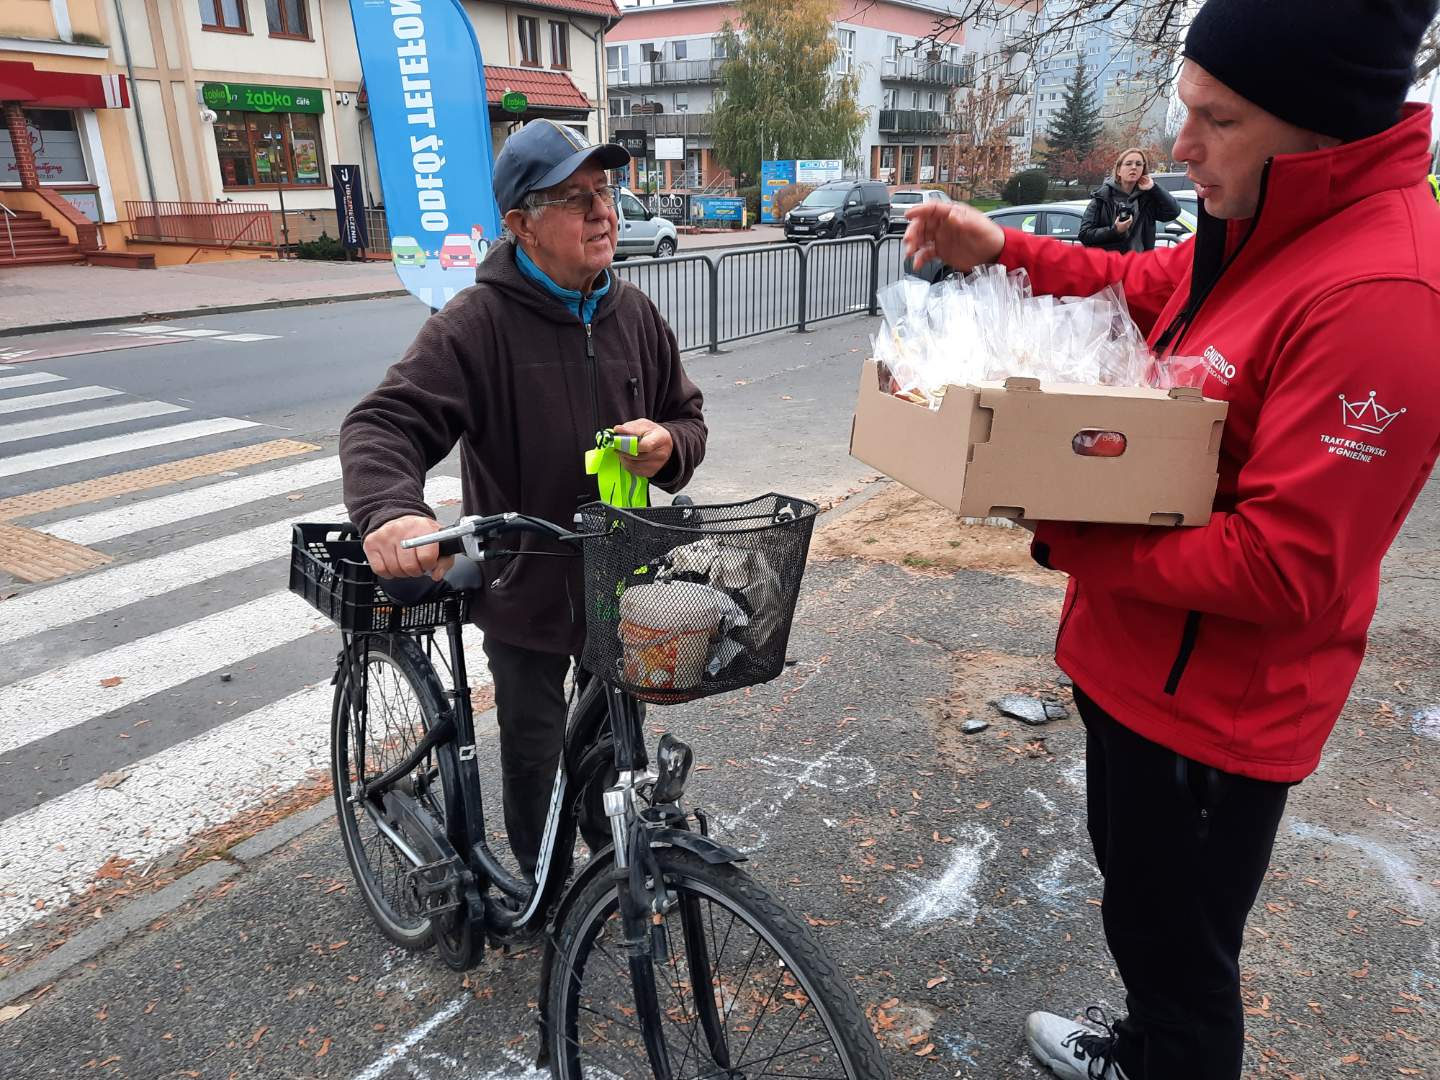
<point x="654" y="450"/>
<point x="955" y="234"/>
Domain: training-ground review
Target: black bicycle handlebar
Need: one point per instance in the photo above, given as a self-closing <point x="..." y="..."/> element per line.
<point x="452" y="539"/>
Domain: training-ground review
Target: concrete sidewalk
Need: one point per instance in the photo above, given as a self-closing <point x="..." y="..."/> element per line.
<point x="35" y="299"/>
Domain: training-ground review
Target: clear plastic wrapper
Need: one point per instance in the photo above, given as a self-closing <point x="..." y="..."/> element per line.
<point x="990" y="325"/>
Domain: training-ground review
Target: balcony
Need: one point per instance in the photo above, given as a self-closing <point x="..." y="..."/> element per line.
<point x="917" y="69"/>
<point x="920" y="122"/>
<point x="665" y="73"/>
<point x="666" y="125"/>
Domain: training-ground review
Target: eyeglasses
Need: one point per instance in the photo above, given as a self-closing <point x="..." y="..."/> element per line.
<point x="581" y="201"/>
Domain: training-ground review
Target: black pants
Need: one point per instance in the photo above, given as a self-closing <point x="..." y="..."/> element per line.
<point x="530" y="707"/>
<point x="1183" y="848"/>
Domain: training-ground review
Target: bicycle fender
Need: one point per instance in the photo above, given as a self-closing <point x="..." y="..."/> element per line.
<point x="712" y="851"/>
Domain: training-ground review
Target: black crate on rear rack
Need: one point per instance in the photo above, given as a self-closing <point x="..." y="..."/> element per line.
<point x="328" y="568"/>
<point x="767" y="537"/>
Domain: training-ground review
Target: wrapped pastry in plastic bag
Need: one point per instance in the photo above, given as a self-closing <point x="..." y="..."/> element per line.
<point x="989" y="325"/>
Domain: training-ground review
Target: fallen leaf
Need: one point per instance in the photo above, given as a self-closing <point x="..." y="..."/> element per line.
<point x="259" y="1034"/>
<point x="926" y="1050"/>
<point x="821" y="922"/>
<point x="113" y="680"/>
<point x="982" y="805"/>
<point x="337" y="887"/>
<point x="1350" y="1059"/>
<point x="113" y="867"/>
<point x="869" y="841"/>
<point x="296" y="497"/>
<point x="10" y="1012"/>
<point x="324" y="1049"/>
<point x="936" y="981"/>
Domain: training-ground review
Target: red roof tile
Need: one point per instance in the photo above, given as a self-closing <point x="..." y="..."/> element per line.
<point x="548" y="89"/>
<point x="600" y="9"/>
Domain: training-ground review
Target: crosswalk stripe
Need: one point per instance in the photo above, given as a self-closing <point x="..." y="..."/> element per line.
<point x="168" y="509"/>
<point x="120" y="444"/>
<point x="53" y="850"/>
<point x="57" y="397"/>
<point x="34" y="378"/>
<point x="72" y="694"/>
<point x="151" y="476"/>
<point x="73" y="601"/>
<point x="114" y="414"/>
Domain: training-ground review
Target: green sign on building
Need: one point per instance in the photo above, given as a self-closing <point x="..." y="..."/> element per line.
<point x="514" y="101"/>
<point x="263" y="99"/>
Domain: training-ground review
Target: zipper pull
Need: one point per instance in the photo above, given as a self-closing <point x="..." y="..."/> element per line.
<point x="634" y="386"/>
<point x="589" y="341"/>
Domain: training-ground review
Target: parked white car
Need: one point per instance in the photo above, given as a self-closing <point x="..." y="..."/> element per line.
<point x="900" y="201"/>
<point x="641" y="232"/>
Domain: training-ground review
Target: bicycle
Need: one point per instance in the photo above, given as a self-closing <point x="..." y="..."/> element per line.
<point x="634" y="977"/>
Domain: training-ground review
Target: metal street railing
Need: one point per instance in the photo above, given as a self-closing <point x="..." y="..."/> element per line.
<point x="226" y="224"/>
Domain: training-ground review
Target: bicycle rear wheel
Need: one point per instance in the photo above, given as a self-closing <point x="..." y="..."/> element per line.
<point x="402" y="700"/>
<point x="745" y="990"/>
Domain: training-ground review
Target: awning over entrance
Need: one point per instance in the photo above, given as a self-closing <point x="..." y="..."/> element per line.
<point x="548" y="93"/>
<point x="36" y="89"/>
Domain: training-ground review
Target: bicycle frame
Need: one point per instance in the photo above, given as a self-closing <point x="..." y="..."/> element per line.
<point x="635" y="829"/>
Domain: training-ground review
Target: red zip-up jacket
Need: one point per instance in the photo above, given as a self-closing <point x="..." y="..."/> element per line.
<point x="1236" y="643"/>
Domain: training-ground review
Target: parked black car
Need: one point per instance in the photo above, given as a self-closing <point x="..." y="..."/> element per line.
<point x="841" y="208"/>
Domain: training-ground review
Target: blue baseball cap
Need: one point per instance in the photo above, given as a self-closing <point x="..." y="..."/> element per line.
<point x="543" y="154"/>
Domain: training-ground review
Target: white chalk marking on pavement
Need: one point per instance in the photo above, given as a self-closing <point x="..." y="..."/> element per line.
<point x="77" y="599"/>
<point x="195" y="333"/>
<point x="832" y="770"/>
<point x="34" y="378"/>
<point x="952" y="895"/>
<point x="72" y="694"/>
<point x="246" y="339"/>
<point x="114" y="414"/>
<point x="1056" y="883"/>
<point x="1046" y="827"/>
<point x="145" y="329"/>
<point x="120" y="444"/>
<point x="1426" y="722"/>
<point x="164" y="800"/>
<point x="1396" y="867"/>
<point x="56" y="397"/>
<point x="396" y="1052"/>
<point x="101" y="525"/>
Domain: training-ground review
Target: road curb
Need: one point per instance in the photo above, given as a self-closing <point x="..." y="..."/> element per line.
<point x="195" y="313"/>
<point x="140" y="913"/>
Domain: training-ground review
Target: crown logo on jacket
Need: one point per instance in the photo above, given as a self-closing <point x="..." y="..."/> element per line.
<point x="1368" y="415"/>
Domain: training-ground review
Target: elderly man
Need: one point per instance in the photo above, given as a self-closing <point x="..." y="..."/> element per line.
<point x="547" y="348"/>
<point x="1211" y="663"/>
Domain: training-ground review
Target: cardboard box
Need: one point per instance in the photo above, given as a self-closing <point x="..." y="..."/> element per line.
<point x="1006" y="449"/>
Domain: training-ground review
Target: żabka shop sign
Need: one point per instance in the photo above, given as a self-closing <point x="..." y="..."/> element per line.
<point x="262" y="99"/>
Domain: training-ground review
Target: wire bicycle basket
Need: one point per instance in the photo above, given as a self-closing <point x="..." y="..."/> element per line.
<point x="682" y="602"/>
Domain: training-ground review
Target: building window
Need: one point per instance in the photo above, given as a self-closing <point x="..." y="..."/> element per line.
<point x="717" y="48"/>
<point x="892" y="99"/>
<point x="914" y="99"/>
<point x="560" y="45"/>
<point x="931" y="105"/>
<point x="529" y="41"/>
<point x="680" y="49"/>
<point x="845" y="39"/>
<point x="287" y="18"/>
<point x="223" y="15"/>
<point x="55" y="139"/>
<point x="619" y="105"/>
<point x="648" y="52"/>
<point x="682" y="101"/>
<point x="269" y="149"/>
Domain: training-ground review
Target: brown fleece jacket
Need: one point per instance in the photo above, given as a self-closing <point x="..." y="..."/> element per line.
<point x="504" y="370"/>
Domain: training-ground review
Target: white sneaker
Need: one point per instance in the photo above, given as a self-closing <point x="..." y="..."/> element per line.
<point x="1074" y="1051"/>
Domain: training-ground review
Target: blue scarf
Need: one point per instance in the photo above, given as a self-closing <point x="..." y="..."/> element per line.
<point x="579" y="304"/>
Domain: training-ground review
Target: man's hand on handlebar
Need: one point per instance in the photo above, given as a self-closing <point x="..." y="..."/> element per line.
<point x="389" y="559"/>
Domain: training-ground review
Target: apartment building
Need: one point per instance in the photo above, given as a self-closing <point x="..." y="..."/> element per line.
<point x="663" y="67"/>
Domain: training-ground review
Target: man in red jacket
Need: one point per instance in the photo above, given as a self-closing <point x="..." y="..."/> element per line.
<point x="1211" y="663"/>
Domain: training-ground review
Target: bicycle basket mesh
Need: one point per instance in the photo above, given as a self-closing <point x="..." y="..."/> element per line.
<point x="686" y="601"/>
<point x="328" y="568"/>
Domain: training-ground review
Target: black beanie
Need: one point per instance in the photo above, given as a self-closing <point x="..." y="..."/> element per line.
<point x="1336" y="67"/>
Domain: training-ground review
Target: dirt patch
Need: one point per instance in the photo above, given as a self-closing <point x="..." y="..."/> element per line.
<point x="981" y="678"/>
<point x="901" y="527"/>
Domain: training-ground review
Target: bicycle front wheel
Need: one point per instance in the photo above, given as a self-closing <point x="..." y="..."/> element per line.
<point x="371" y="732"/>
<point x="744" y="990"/>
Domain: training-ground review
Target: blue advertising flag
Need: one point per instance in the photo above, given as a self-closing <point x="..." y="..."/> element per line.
<point x="426" y="84"/>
